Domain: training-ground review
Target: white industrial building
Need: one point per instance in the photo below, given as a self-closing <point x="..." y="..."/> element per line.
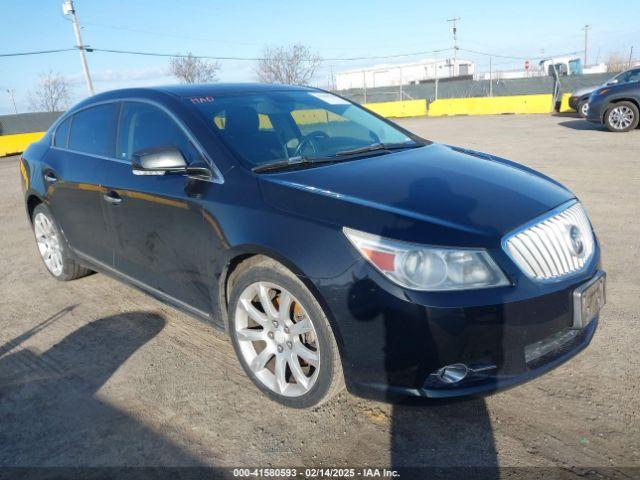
<point x="405" y="74"/>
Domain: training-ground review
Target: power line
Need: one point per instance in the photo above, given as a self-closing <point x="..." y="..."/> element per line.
<point x="512" y="57"/>
<point x="337" y="59"/>
<point x="211" y="57"/>
<point x="37" y="52"/>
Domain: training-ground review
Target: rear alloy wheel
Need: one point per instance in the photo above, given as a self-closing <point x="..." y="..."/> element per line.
<point x="52" y="247"/>
<point x="583" y="109"/>
<point x="621" y="117"/>
<point x="282" y="337"/>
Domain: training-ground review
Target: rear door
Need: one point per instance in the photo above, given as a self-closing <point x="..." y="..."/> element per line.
<point x="74" y="173"/>
<point x="157" y="220"/>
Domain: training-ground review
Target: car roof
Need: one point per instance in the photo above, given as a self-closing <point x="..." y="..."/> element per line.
<point x="186" y="90"/>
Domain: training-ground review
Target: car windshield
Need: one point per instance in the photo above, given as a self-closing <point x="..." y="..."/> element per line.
<point x="293" y="126"/>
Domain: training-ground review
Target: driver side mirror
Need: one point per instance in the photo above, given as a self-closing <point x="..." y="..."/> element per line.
<point x="613" y="82"/>
<point x="158" y="161"/>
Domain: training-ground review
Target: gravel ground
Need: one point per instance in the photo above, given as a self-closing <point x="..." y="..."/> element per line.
<point x="93" y="373"/>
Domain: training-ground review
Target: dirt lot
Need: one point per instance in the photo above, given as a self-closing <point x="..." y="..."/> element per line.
<point x="95" y="373"/>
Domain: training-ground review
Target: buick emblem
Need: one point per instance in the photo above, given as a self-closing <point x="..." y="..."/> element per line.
<point x="576" y="243"/>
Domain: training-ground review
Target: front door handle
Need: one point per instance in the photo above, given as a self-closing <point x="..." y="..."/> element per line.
<point x="50" y="177"/>
<point x="112" y="197"/>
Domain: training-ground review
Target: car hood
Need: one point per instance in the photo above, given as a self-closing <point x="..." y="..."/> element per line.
<point x="435" y="194"/>
<point x="583" y="91"/>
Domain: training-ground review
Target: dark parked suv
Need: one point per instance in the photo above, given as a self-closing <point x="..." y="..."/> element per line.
<point x="617" y="106"/>
<point x="332" y="245"/>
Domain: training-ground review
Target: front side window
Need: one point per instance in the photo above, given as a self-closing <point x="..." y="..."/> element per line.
<point x="93" y="130"/>
<point x="284" y="125"/>
<point x="634" y="76"/>
<point x="144" y="126"/>
<point x="62" y="134"/>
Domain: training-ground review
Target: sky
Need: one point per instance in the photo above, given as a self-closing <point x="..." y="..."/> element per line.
<point x="335" y="29"/>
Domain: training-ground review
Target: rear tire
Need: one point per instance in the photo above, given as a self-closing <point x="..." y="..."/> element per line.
<point x="583" y="109"/>
<point x="54" y="252"/>
<point x="295" y="369"/>
<point x="622" y="117"/>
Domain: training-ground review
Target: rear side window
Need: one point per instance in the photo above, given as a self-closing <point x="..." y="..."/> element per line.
<point x="144" y="126"/>
<point x="62" y="134"/>
<point x="93" y="130"/>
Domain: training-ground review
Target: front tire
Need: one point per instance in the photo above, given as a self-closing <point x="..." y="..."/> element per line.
<point x="583" y="109"/>
<point x="54" y="252"/>
<point x="622" y="117"/>
<point x="282" y="336"/>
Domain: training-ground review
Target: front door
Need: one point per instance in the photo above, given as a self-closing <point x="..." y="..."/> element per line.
<point x="157" y="220"/>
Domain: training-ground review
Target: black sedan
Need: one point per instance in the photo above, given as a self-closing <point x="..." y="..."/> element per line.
<point x="332" y="245"/>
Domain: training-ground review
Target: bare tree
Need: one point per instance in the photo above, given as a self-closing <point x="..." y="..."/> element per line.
<point x="191" y="69"/>
<point x="294" y="65"/>
<point x="52" y="93"/>
<point x="616" y="62"/>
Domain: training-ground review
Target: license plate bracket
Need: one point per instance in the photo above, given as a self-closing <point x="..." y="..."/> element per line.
<point x="588" y="300"/>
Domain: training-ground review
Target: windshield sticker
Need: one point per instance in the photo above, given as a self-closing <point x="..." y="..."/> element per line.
<point x="198" y="100"/>
<point x="330" y="99"/>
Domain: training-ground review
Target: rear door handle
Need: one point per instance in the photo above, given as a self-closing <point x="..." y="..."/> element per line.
<point x="50" y="177"/>
<point x="112" y="197"/>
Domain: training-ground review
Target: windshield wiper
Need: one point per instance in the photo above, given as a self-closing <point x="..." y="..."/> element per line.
<point x="379" y="146"/>
<point x="295" y="162"/>
<point x="292" y="163"/>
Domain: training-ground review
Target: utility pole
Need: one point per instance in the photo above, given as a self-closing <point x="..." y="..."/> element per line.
<point x="364" y="85"/>
<point x="586" y="38"/>
<point x="12" y="94"/>
<point x="67" y="9"/>
<point x="490" y="77"/>
<point x="454" y="30"/>
<point x="630" y="56"/>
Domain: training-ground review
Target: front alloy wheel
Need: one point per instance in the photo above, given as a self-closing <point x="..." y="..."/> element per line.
<point x="282" y="336"/>
<point x="622" y="117"/>
<point x="277" y="339"/>
<point x="583" y="109"/>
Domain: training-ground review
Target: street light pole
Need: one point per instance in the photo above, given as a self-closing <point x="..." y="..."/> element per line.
<point x="68" y="9"/>
<point x="586" y="38"/>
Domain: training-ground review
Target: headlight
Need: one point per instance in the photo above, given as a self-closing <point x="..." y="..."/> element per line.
<point x="426" y="268"/>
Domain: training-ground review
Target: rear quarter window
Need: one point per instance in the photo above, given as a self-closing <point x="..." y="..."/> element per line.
<point x="62" y="134"/>
<point x="93" y="130"/>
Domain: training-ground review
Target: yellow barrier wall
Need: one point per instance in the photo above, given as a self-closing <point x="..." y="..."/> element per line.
<point x="491" y="105"/>
<point x="564" y="104"/>
<point x="18" y="143"/>
<point x="406" y="108"/>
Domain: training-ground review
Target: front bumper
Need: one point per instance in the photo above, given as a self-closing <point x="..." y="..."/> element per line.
<point x="392" y="343"/>
<point x="596" y="109"/>
<point x="573" y="102"/>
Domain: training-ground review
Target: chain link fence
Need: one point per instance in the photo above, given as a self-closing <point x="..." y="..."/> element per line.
<point x="27" y="122"/>
<point x="475" y="88"/>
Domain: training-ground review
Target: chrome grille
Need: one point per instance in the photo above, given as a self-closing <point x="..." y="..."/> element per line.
<point x="554" y="247"/>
